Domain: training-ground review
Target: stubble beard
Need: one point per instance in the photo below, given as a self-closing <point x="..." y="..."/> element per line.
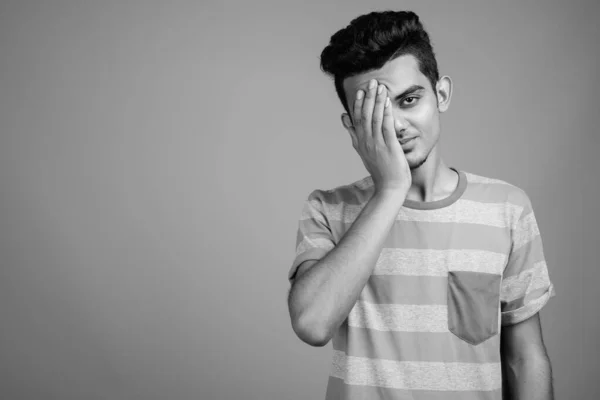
<point x="418" y="163"/>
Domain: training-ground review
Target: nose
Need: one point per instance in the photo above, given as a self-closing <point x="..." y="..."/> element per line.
<point x="400" y="125"/>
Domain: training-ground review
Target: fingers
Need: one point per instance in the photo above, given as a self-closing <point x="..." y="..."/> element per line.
<point x="388" y="129"/>
<point x="366" y="113"/>
<point x="353" y="137"/>
<point x="377" y="118"/>
<point x="358" y="102"/>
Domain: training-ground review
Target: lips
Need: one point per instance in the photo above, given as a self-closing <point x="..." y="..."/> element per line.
<point x="404" y="141"/>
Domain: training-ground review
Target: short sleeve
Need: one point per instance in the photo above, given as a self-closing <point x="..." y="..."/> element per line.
<point x="526" y="285"/>
<point x="314" y="238"/>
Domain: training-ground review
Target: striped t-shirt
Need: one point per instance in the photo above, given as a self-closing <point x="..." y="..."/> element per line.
<point x="427" y="324"/>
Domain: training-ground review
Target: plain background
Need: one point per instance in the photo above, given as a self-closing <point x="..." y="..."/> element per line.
<point x="154" y="158"/>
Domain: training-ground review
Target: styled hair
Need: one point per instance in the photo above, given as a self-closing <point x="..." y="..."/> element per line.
<point x="373" y="39"/>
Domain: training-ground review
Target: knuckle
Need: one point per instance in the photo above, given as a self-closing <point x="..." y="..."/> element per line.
<point x="365" y="126"/>
<point x="364" y="113"/>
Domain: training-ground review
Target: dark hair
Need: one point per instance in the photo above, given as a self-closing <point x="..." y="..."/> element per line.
<point x="373" y="39"/>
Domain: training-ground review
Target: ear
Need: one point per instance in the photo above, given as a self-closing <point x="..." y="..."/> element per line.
<point x="444" y="92"/>
<point x="347" y="122"/>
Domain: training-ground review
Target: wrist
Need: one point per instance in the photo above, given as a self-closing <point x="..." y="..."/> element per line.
<point x="395" y="193"/>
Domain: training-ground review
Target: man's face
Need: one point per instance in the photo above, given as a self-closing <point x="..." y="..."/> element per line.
<point x="415" y="112"/>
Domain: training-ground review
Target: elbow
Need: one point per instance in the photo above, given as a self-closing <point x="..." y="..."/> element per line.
<point x="311" y="333"/>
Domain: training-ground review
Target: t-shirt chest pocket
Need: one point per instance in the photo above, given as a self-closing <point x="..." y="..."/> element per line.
<point x="473" y="305"/>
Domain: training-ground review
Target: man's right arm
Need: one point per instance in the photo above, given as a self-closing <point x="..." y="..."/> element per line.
<point x="321" y="297"/>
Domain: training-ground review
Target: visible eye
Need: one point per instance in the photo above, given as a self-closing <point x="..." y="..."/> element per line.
<point x="410" y="97"/>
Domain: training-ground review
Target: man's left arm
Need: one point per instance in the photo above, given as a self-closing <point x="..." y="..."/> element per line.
<point x="526" y="362"/>
<point x="525" y="289"/>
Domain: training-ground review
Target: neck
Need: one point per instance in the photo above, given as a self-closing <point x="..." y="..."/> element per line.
<point x="433" y="180"/>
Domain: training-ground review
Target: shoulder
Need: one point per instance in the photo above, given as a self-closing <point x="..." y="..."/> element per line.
<point x="353" y="193"/>
<point x="510" y="200"/>
<point x="496" y="190"/>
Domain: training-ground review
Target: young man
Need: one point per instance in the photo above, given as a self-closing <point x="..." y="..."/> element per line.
<point x="428" y="279"/>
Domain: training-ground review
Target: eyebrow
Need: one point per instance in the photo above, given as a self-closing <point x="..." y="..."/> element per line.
<point x="408" y="91"/>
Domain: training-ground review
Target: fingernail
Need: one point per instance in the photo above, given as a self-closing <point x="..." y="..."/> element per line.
<point x="372" y="84"/>
<point x="387" y="102"/>
<point x="359" y="95"/>
<point x="380" y="89"/>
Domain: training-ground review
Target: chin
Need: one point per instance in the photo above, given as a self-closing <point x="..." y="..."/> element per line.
<point x="416" y="162"/>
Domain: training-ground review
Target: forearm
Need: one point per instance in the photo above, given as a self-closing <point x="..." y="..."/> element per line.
<point x="328" y="291"/>
<point x="529" y="378"/>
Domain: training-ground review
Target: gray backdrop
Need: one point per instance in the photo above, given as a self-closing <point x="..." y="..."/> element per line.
<point x="154" y="157"/>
